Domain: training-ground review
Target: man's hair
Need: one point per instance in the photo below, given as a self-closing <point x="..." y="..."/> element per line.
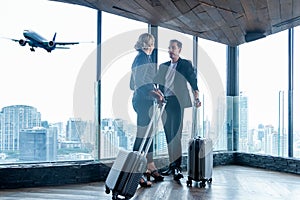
<point x="179" y="44"/>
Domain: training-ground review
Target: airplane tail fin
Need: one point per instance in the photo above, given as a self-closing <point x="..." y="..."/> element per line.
<point x="54" y="37"/>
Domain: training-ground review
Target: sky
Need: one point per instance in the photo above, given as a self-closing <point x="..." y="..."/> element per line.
<point x="54" y="82"/>
<point x="266" y="61"/>
<point x="41" y="79"/>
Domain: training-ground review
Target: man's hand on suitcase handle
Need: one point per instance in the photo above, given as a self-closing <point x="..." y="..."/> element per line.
<point x="197" y="103"/>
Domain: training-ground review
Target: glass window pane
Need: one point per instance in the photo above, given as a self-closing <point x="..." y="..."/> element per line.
<point x="212" y="81"/>
<point x="296" y="92"/>
<point x="263" y="95"/>
<point x="118" y="119"/>
<point x="39" y="119"/>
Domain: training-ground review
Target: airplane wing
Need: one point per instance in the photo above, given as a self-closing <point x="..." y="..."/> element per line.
<point x="63" y="43"/>
<point x="66" y="43"/>
<point x="72" y="43"/>
<point x="15" y="40"/>
<point x="62" y="47"/>
<point x="22" y="42"/>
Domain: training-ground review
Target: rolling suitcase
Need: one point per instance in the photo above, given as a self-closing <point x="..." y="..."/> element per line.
<point x="200" y="155"/>
<point x="129" y="166"/>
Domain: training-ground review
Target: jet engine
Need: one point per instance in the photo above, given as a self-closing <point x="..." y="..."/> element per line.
<point x="51" y="44"/>
<point x="22" y="42"/>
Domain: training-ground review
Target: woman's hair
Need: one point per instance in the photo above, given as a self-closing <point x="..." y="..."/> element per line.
<point x="145" y="41"/>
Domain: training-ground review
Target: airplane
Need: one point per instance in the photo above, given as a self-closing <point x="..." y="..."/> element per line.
<point x="35" y="40"/>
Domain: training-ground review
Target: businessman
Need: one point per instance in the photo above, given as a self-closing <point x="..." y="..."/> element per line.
<point x="173" y="77"/>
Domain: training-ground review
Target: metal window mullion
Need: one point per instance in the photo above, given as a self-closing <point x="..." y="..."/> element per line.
<point x="98" y="83"/>
<point x="152" y="29"/>
<point x="290" y="90"/>
<point x="233" y="91"/>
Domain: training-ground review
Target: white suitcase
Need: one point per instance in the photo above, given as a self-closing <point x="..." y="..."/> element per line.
<point x="129" y="166"/>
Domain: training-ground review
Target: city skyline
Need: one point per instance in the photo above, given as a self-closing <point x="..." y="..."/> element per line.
<point x="23" y="131"/>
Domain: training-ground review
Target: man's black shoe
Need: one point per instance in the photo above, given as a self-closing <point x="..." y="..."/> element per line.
<point x="167" y="172"/>
<point x="177" y="174"/>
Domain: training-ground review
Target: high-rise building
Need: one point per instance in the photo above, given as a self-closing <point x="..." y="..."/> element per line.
<point x="13" y="119"/>
<point x="243" y="123"/>
<point x="115" y="134"/>
<point x="89" y="136"/>
<point x="261" y="132"/>
<point x="61" y="131"/>
<point x="159" y="143"/>
<point x="109" y="144"/>
<point x="38" y="144"/>
<point x="269" y="139"/>
<point x="106" y="124"/>
<point x="220" y="137"/>
<point x="2" y="138"/>
<point x="243" y="116"/>
<point x="119" y="127"/>
<point x="51" y="144"/>
<point x="109" y="141"/>
<point x="186" y="137"/>
<point x="75" y="129"/>
<point x="250" y="140"/>
<point x="282" y="143"/>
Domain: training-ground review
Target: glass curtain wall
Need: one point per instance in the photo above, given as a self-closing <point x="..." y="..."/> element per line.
<point x="296" y="92"/>
<point x="40" y="119"/>
<point x="118" y="119"/>
<point x="263" y="83"/>
<point x="212" y="81"/>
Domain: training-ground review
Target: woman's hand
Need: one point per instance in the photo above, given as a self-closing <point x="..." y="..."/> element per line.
<point x="158" y="95"/>
<point x="197" y="101"/>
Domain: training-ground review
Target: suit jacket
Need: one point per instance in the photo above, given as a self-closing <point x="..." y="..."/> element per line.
<point x="185" y="73"/>
<point x="143" y="71"/>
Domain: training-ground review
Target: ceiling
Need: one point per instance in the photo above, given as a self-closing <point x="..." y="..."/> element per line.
<point x="230" y="22"/>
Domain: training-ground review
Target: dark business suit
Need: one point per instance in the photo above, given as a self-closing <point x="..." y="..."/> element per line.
<point x="180" y="99"/>
<point x="141" y="82"/>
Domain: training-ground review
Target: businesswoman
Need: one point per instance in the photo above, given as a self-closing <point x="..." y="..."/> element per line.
<point x="143" y="72"/>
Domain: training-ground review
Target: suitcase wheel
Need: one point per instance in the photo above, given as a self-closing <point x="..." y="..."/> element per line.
<point x="189" y="183"/>
<point x="209" y="180"/>
<point x="107" y="190"/>
<point x="202" y="184"/>
<point x="115" y="197"/>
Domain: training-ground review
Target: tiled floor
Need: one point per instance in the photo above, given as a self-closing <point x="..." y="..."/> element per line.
<point x="229" y="182"/>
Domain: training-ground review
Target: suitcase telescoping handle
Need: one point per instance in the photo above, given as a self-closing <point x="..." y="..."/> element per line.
<point x="157" y="108"/>
<point x="195" y="121"/>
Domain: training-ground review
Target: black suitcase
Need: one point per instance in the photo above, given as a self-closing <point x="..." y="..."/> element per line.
<point x="129" y="166"/>
<point x="200" y="155"/>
